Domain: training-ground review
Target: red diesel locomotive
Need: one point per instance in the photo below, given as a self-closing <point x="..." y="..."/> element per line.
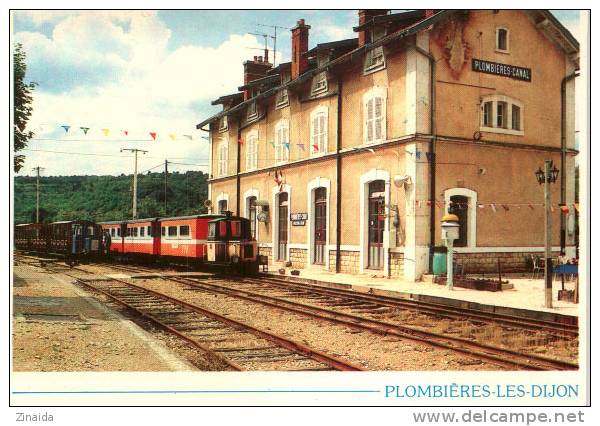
<point x="186" y="238"/>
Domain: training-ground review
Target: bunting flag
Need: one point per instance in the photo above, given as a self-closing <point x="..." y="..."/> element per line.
<point x="530" y="206"/>
<point x="564" y="208"/>
<point x="126" y="132"/>
<point x="439" y="204"/>
<point x="418" y="154"/>
<point x="272" y="144"/>
<point x="576" y="207"/>
<point x="428" y="155"/>
<point x="505" y="207"/>
<point x="316" y="147"/>
<point x="241" y="141"/>
<point x="481" y="206"/>
<point x="287" y="146"/>
<point x="188" y="136"/>
<point x="551" y="208"/>
<point x="105" y="131"/>
<point x="153" y="134"/>
<point x="429" y="203"/>
<point x="66" y="128"/>
<point x="301" y="146"/>
<point x="172" y="136"/>
<point x="493" y="207"/>
<point x="85" y="130"/>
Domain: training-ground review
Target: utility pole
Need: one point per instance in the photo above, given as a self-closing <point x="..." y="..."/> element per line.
<point x="135" y="151"/>
<point x="548" y="235"/>
<point x="166" y="174"/>
<point x="37" y="195"/>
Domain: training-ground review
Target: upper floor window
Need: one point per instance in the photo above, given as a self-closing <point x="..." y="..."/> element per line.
<point x="319" y="83"/>
<point x="252" y="151"/>
<point x="282" y="141"/>
<point x="374" y="104"/>
<point x="282" y="98"/>
<point x="501" y="114"/>
<point x="502" y="39"/>
<point x="223" y="124"/>
<point x="318" y="130"/>
<point x="374" y="60"/>
<point x="223" y="152"/>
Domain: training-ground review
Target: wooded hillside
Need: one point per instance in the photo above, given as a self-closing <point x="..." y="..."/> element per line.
<point x="101" y="198"/>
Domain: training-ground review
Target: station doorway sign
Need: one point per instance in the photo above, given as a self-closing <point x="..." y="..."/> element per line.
<point x="299" y="219"/>
<point x="511" y="71"/>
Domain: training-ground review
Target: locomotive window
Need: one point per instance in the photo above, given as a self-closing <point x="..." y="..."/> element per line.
<point x="90" y="231"/>
<point x="172" y="231"/>
<point x="135" y="232"/>
<point x="112" y="232"/>
<point x="184" y="231"/>
<point x="212" y="230"/>
<point x="143" y="231"/>
<point x="118" y="232"/>
<point x="235" y="228"/>
<point x="150" y="231"/>
<point x="163" y="231"/>
<point x="223" y="229"/>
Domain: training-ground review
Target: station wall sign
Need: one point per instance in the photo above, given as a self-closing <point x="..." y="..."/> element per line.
<point x="299" y="219"/>
<point x="511" y="71"/>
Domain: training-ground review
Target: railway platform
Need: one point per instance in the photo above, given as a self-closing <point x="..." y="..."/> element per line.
<point x="525" y="299"/>
<point x="58" y="327"/>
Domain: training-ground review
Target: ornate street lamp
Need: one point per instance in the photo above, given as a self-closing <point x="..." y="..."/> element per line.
<point x="546" y="177"/>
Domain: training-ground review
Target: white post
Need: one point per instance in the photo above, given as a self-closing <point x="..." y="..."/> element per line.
<point x="135" y="187"/>
<point x="449" y="264"/>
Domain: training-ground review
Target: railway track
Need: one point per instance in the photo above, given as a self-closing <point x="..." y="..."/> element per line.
<point x="502" y="357"/>
<point x="232" y="344"/>
<point x="368" y="304"/>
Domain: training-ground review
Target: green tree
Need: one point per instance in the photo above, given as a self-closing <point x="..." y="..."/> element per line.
<point x="22" y="104"/>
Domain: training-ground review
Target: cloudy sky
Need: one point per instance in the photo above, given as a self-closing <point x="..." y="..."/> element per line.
<point x="146" y="71"/>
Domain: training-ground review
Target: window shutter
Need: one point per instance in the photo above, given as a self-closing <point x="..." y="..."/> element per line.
<point x="378" y="118"/>
<point x="370" y="120"/>
<point x="323" y="132"/>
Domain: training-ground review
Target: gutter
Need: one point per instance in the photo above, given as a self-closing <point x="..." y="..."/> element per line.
<point x="432" y="143"/>
<point x="563" y="157"/>
<point x="238" y="167"/>
<point x="338" y="185"/>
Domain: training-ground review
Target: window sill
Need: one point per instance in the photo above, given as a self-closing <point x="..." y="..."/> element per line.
<point x="374" y="69"/>
<point x="224" y="130"/>
<point x="319" y="153"/>
<point x="505" y="52"/>
<point x="318" y="92"/>
<point x="502" y="131"/>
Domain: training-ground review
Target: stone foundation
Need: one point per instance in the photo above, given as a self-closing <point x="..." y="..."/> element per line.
<point x="298" y="258"/>
<point x="397" y="265"/>
<point x="488" y="262"/>
<point x="349" y="261"/>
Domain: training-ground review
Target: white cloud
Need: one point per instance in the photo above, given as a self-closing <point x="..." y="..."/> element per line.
<point x="147" y="88"/>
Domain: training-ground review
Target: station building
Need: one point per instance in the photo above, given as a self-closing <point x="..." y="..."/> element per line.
<point x="347" y="157"/>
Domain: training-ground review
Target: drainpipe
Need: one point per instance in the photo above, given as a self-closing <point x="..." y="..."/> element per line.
<point x="238" y="165"/>
<point x="563" y="157"/>
<point x="338" y="185"/>
<point x="432" y="140"/>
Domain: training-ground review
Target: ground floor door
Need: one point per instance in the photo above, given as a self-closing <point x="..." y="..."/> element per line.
<point x="376" y="224"/>
<point x="282" y="229"/>
<point x="320" y="236"/>
<point x="459" y="205"/>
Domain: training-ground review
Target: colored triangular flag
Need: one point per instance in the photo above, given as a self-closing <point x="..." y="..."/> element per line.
<point x="576" y="206"/>
<point x="105" y="131"/>
<point x="493" y="207"/>
<point x="188" y="136"/>
<point x="172" y="136"/>
<point x="316" y="147"/>
<point x="85" y="130"/>
<point x="505" y="207"/>
<point x="153" y="134"/>
<point x="126" y="132"/>
<point x="66" y="128"/>
<point x="565" y="209"/>
<point x="287" y="146"/>
<point x="241" y="141"/>
<point x="530" y="206"/>
<point x="272" y="144"/>
<point x="301" y="146"/>
<point x="429" y="203"/>
<point x="418" y="154"/>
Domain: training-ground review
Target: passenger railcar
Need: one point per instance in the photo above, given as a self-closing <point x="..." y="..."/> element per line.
<point x="185" y="236"/>
<point x="115" y="231"/>
<point x="141" y="238"/>
<point x="71" y="239"/>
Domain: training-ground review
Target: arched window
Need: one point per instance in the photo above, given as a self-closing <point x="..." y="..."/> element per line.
<point x="463" y="203"/>
<point x="502" y="114"/>
<point x="252" y="151"/>
<point x="223" y="151"/>
<point x="374" y="111"/>
<point x="318" y="131"/>
<point x="282" y="141"/>
<point x="282" y="227"/>
<point x="320" y="237"/>
<point x="376" y="221"/>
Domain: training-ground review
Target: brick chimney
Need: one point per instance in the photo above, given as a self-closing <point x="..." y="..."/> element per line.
<point x="299" y="48"/>
<point x="253" y="70"/>
<point x="365" y="15"/>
